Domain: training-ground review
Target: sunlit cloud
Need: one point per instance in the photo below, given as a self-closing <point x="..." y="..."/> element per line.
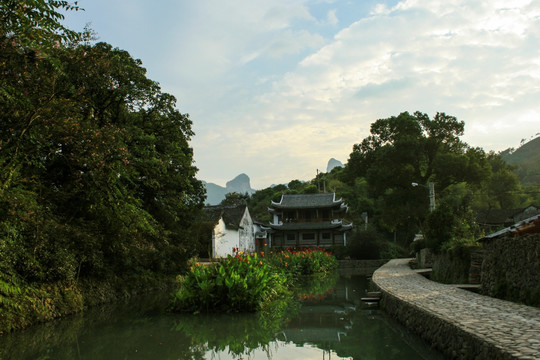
<point x="277" y="88"/>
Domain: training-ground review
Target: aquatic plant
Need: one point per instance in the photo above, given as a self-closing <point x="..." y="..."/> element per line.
<point x="246" y="282"/>
<point x="236" y="283"/>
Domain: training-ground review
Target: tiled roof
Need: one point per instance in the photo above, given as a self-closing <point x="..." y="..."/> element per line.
<point x="307" y="201"/>
<point x="528" y="226"/>
<point x="306" y="226"/>
<point x="311" y="226"/>
<point x="231" y="214"/>
<point x="505" y="216"/>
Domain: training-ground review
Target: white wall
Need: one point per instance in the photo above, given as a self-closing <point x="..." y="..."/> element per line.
<point x="246" y="233"/>
<point x="223" y="240"/>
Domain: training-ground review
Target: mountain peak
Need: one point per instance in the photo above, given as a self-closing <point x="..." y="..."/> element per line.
<point x="333" y="163"/>
<point x="215" y="193"/>
<point x="240" y="184"/>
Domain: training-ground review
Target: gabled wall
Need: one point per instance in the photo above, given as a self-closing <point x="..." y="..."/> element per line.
<point x="225" y="239"/>
<point x="246" y="233"/>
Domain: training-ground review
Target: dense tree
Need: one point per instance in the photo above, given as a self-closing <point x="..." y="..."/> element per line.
<point x="235" y="198"/>
<point x="96" y="172"/>
<point x="412" y="148"/>
<point x="260" y="200"/>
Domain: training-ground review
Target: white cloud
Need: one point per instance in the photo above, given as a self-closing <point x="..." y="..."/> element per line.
<point x="225" y="61"/>
<point x="477" y="62"/>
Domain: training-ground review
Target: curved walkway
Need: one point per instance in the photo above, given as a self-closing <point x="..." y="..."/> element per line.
<point x="460" y="323"/>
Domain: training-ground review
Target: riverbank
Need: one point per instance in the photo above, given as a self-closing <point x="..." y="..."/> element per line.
<point x="459" y="323"/>
<point x="33" y="304"/>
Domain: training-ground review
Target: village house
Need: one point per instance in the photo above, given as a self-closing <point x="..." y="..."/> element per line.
<point x="231" y="228"/>
<point x="307" y="220"/>
<point x="495" y="219"/>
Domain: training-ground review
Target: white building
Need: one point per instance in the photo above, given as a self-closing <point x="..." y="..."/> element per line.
<point x="232" y="229"/>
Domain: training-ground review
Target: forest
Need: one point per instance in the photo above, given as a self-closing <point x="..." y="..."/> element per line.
<point x="96" y="173"/>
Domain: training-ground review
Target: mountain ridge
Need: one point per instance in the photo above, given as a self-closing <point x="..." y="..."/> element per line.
<point x="242" y="184"/>
<point x="526" y="158"/>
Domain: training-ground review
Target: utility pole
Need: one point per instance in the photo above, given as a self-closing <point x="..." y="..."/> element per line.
<point x="431" y="189"/>
<point x="431" y="196"/>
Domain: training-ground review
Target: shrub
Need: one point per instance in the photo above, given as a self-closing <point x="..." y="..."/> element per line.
<point x="247" y="282"/>
<point x="303" y="261"/>
<point x="239" y="283"/>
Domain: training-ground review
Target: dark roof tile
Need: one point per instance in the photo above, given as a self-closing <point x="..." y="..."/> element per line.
<point x="231" y="214"/>
<point x="307" y="201"/>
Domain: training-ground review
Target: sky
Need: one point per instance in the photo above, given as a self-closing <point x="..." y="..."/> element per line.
<point x="275" y="88"/>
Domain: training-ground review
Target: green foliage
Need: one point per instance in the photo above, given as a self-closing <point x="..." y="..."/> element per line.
<point x="370" y="244"/>
<point x="235" y="198"/>
<point x="298" y="262"/>
<point x="96" y="171"/>
<point x="525" y="159"/>
<point x="453" y="221"/>
<point x="310" y="189"/>
<point x="245" y="283"/>
<point x="241" y="283"/>
<point x="502" y="187"/>
<point x="401" y="150"/>
<point x="416" y="148"/>
<point x="35" y="24"/>
<point x="259" y="201"/>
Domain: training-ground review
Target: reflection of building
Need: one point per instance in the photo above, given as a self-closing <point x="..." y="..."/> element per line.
<point x="308" y="220"/>
<point x="326" y="314"/>
<point x="319" y="324"/>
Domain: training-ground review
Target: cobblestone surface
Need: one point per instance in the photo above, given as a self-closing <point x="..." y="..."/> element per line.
<point x="510" y="327"/>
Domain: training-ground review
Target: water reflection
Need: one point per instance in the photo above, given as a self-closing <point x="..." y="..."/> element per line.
<point x="328" y="322"/>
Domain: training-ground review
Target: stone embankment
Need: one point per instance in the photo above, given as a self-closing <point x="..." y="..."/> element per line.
<point x="459" y="323"/>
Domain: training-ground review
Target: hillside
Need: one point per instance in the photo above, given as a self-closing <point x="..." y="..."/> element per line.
<point x="527" y="160"/>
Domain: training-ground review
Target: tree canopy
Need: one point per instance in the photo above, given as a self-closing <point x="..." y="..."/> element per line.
<point x="414" y="148"/>
<point x="96" y="170"/>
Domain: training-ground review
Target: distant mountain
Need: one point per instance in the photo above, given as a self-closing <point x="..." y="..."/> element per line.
<point x="215" y="193"/>
<point x="333" y="163"/>
<point x="240" y="184"/>
<point x="527" y="160"/>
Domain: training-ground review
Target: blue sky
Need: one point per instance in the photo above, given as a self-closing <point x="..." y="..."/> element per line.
<point x="276" y="88"/>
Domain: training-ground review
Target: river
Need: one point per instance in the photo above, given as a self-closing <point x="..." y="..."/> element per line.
<point x="328" y="322"/>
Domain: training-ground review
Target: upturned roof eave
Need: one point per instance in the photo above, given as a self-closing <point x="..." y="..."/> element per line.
<point x="334" y="203"/>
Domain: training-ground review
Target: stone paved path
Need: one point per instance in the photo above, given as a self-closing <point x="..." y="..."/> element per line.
<point x="513" y="328"/>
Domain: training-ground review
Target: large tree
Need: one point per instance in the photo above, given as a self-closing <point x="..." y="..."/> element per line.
<point x="412" y="148"/>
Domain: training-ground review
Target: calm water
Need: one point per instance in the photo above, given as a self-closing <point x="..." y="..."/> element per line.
<point x="329" y="322"/>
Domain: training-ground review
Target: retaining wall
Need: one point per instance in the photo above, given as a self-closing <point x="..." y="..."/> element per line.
<point x="458" y="323"/>
<point x="511" y="268"/>
<point x="444" y="336"/>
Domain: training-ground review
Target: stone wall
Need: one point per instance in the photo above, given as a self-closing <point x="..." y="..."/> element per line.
<point x="511" y="268"/>
<point x="441" y="335"/>
<point x="424" y="258"/>
<point x="450" y="268"/>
